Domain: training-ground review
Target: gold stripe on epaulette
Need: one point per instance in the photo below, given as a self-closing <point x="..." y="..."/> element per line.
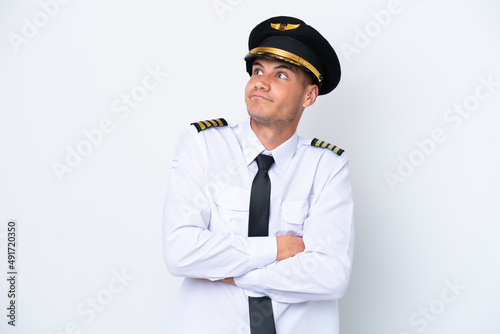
<point x="202" y="125"/>
<point x="324" y="144"/>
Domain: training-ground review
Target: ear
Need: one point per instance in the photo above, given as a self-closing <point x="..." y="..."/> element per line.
<point x="311" y="95"/>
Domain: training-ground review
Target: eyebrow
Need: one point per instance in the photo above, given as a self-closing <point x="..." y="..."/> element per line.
<point x="285" y="66"/>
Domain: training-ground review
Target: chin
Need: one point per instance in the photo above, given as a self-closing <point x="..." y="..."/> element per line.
<point x="260" y="116"/>
<point x="267" y="121"/>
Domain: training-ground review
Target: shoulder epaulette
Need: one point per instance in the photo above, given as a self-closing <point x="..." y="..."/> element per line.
<point x="202" y="125"/>
<point x="324" y="144"/>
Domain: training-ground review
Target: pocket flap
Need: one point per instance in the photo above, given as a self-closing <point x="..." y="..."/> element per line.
<point x="233" y="198"/>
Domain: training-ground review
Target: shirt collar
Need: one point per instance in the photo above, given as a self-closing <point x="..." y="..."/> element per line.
<point x="252" y="147"/>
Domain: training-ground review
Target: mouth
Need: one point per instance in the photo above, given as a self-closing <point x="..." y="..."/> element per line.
<point x="260" y="97"/>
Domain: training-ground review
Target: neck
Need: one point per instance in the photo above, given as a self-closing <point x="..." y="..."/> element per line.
<point x="271" y="137"/>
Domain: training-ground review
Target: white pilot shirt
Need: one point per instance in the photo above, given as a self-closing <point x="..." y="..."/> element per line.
<point x="205" y="233"/>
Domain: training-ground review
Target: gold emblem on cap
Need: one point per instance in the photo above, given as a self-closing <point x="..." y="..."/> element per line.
<point x="284" y="26"/>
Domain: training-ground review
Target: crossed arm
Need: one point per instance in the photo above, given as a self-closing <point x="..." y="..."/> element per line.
<point x="286" y="268"/>
<point x="288" y="246"/>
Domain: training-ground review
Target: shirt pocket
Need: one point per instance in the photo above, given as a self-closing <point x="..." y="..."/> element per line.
<point x="293" y="214"/>
<point x="232" y="207"/>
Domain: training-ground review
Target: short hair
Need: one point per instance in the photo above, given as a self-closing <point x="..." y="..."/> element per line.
<point x="309" y="79"/>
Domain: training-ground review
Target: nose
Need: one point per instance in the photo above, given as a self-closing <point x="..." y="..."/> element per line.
<point x="261" y="82"/>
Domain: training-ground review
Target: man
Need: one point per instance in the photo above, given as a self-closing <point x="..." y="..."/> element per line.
<point x="258" y="219"/>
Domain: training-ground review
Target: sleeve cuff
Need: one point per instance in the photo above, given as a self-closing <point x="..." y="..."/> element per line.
<point x="250" y="283"/>
<point x="263" y="251"/>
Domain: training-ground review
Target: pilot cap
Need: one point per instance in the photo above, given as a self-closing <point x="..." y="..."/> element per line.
<point x="290" y="40"/>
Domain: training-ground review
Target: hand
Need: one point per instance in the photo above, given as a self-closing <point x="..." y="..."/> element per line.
<point x="228" y="280"/>
<point x="289" y="246"/>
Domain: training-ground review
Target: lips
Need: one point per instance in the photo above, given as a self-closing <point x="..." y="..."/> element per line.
<point x="260" y="97"/>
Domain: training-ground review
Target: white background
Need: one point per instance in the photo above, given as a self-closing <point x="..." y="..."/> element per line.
<point x="405" y="64"/>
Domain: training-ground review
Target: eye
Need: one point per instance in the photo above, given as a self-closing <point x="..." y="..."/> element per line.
<point x="282" y="75"/>
<point x="257" y="71"/>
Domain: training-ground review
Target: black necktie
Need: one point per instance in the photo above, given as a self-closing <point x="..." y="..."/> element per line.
<point x="261" y="310"/>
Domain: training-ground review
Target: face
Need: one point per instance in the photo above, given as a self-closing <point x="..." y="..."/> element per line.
<point x="277" y="93"/>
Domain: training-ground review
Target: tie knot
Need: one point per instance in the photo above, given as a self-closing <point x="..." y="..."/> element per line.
<point x="264" y="161"/>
